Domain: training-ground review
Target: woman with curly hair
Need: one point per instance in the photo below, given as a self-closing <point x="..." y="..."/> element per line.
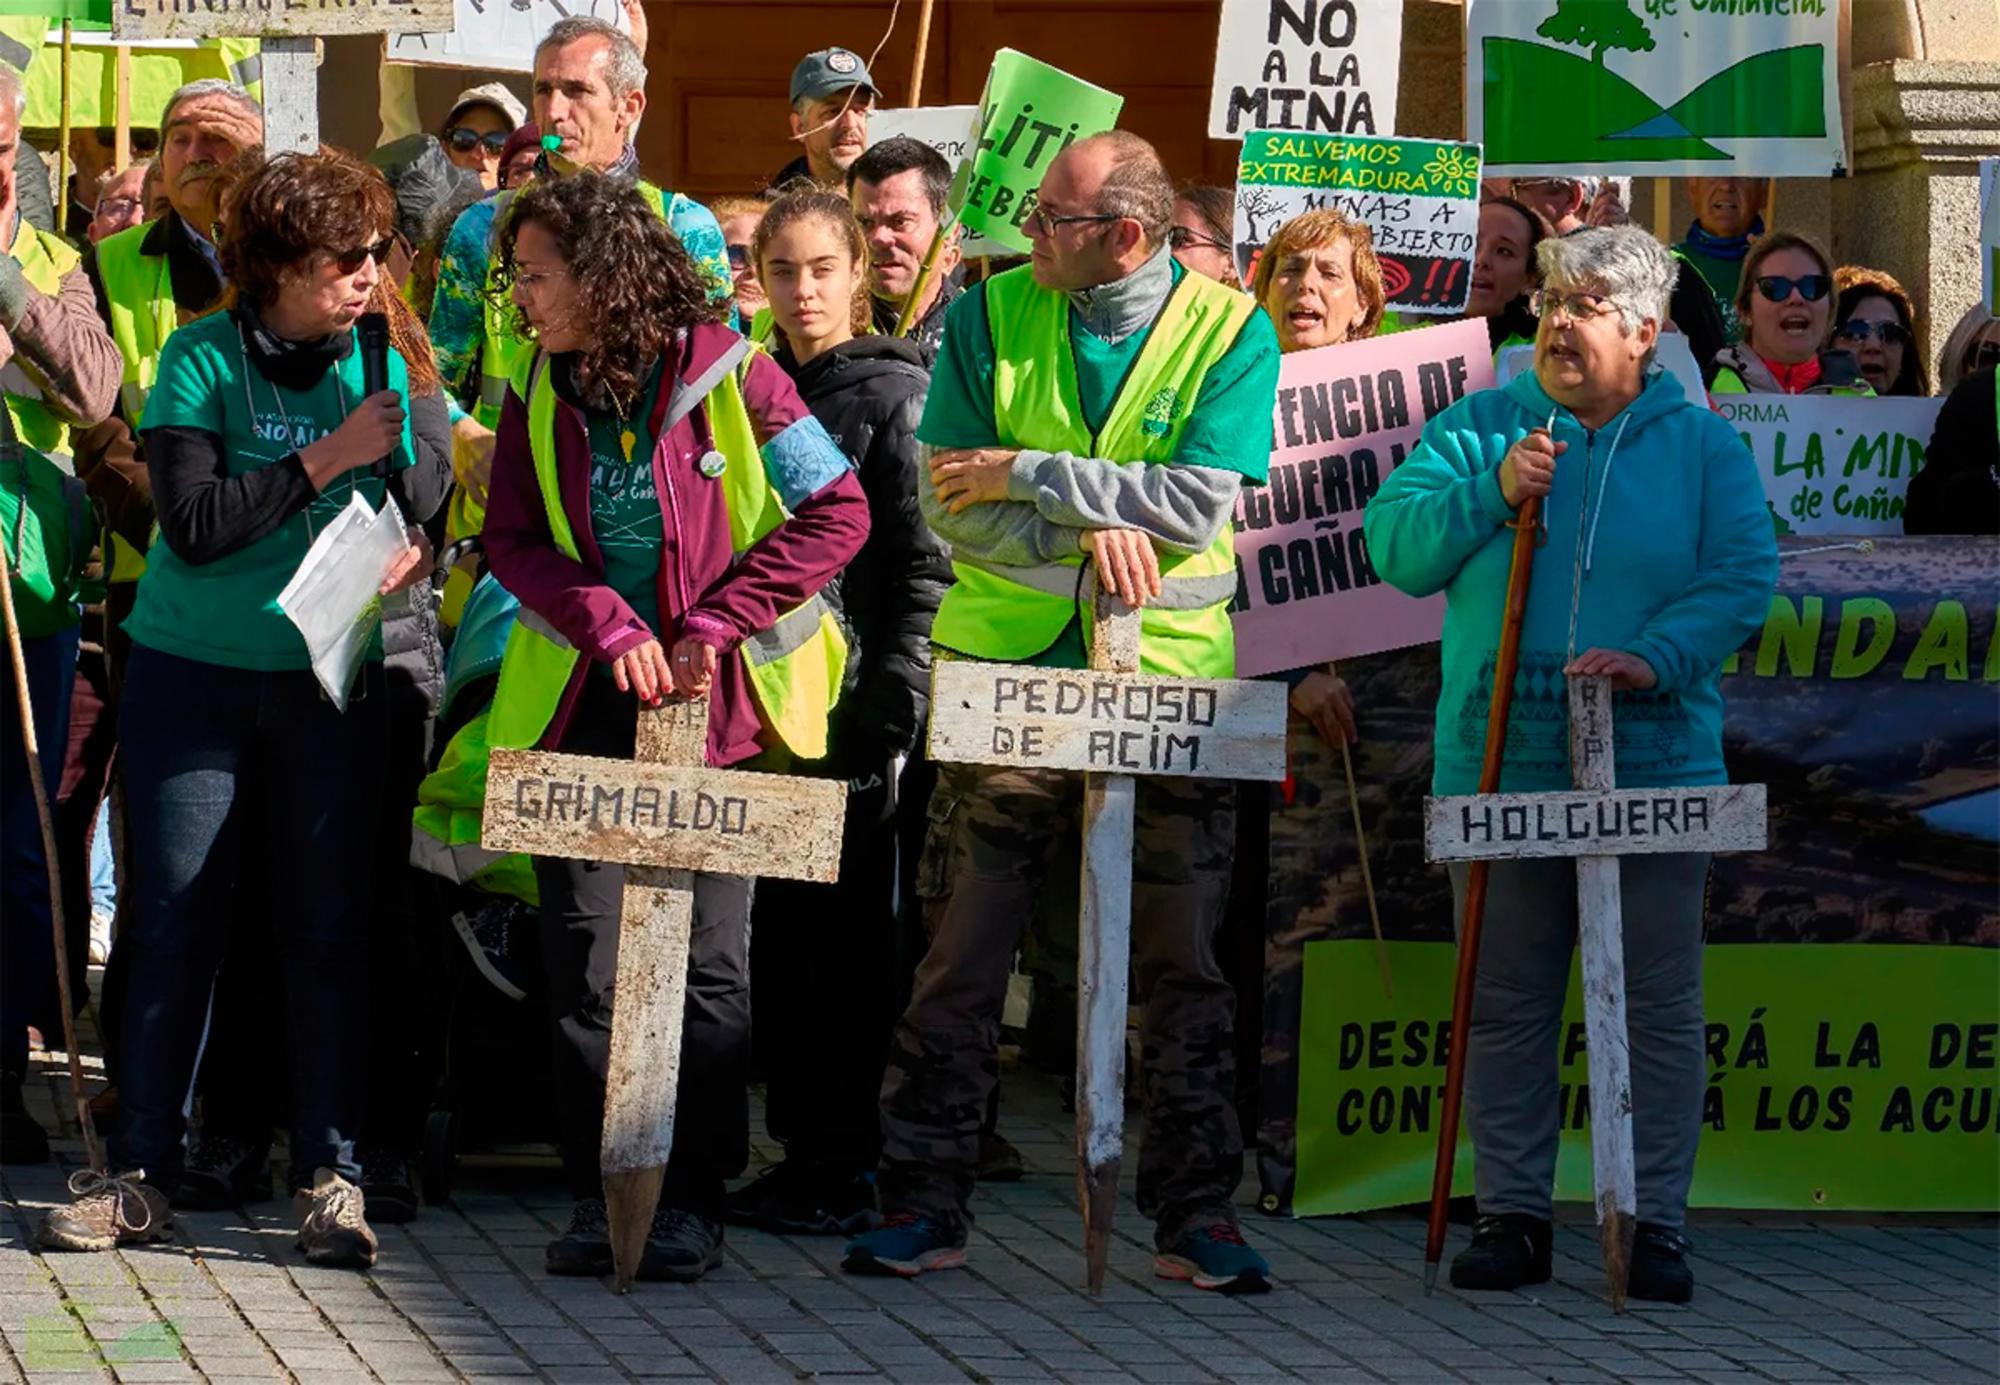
<point x="258" y="432"/>
<point x="825" y="955"/>
<point x="667" y="511"/>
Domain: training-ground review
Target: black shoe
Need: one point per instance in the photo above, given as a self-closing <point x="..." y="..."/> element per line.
<point x="585" y="1248"/>
<point x="223" y="1172"/>
<point x="22" y="1140"/>
<point x="1507" y="1252"/>
<point x="790" y="1199"/>
<point x="386" y="1184"/>
<point x="999" y="1160"/>
<point x="1660" y="1272"/>
<point x="681" y="1247"/>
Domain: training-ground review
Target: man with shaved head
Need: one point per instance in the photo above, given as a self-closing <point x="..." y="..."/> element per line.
<point x="1091" y="417"/>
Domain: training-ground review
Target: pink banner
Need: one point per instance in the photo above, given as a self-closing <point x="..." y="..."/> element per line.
<point x="1345" y="417"/>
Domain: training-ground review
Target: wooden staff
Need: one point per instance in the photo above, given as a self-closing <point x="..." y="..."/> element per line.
<point x="907" y="318"/>
<point x="1504" y="666"/>
<point x="61" y="197"/>
<point x="31" y="743"/>
<point x="1663" y="210"/>
<point x="121" y="129"/>
<point x="1361" y="849"/>
<point x="923" y="48"/>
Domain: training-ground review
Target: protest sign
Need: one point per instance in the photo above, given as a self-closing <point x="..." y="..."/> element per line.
<point x="158" y="19"/>
<point x="1420" y="197"/>
<point x="948" y="129"/>
<point x="1865" y="705"/>
<point x="1672" y="355"/>
<point x="1834" y="465"/>
<point x="1029" y="113"/>
<point x="1989" y="232"/>
<point x="1325" y="65"/>
<point x="1345" y="417"/>
<point x="1572" y="87"/>
<point x="493" y="34"/>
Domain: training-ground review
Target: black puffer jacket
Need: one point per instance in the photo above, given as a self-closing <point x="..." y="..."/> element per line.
<point x="869" y="393"/>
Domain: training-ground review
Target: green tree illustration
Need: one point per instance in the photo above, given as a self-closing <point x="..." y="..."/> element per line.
<point x="1597" y="25"/>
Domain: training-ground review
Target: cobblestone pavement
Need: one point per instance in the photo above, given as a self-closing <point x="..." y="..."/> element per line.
<point x="460" y="1295"/>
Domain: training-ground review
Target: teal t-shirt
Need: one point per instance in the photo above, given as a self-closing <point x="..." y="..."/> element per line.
<point x="625" y="514"/>
<point x="1230" y="427"/>
<point x="1724" y="278"/>
<point x="226" y="612"/>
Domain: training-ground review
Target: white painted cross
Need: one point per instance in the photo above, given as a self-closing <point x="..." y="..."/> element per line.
<point x="289" y="30"/>
<point x="1596" y="823"/>
<point x="663" y="814"/>
<point x="1112" y="723"/>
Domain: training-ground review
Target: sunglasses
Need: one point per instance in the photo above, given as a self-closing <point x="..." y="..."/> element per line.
<point x="463" y="139"/>
<point x="1986" y="354"/>
<point x="350" y="261"/>
<point x="1776" y="288"/>
<point x="1860" y="329"/>
<point x="1184" y="238"/>
<point x="739" y="256"/>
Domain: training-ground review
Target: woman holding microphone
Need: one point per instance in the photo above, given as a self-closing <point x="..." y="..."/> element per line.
<point x="258" y="432"/>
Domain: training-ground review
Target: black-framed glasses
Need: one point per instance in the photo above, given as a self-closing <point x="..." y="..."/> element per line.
<point x="1984" y="356"/>
<point x="1049" y="223"/>
<point x="1861" y="329"/>
<point x="463" y="139"/>
<point x="1577" y="306"/>
<point x="1186" y="238"/>
<point x="1776" y="288"/>
<point x="739" y="256"/>
<point x="350" y="261"/>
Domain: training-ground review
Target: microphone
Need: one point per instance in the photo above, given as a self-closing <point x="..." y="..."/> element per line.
<point x="372" y="336"/>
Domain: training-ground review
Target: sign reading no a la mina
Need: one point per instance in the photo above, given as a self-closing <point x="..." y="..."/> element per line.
<point x="192" y="19"/>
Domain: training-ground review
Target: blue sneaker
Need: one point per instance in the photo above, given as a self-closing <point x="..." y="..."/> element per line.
<point x="1215" y="1257"/>
<point x="906" y="1245"/>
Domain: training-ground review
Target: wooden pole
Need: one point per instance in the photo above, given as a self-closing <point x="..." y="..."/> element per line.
<point x="907" y="318"/>
<point x="1525" y="524"/>
<point x="61" y="197"/>
<point x="923" y="49"/>
<point x="1663" y="210"/>
<point x="39" y="787"/>
<point x="1367" y="875"/>
<point x="121" y="130"/>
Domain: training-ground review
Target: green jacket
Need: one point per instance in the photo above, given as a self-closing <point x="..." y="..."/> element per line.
<point x="48" y="530"/>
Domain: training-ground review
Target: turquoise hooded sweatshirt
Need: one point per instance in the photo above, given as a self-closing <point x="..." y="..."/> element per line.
<point x="1656" y="522"/>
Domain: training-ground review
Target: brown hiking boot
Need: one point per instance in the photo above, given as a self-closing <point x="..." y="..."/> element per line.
<point x="119" y="1209"/>
<point x="332" y="1230"/>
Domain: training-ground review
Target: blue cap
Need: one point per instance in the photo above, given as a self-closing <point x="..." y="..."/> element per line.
<point x="829" y="70"/>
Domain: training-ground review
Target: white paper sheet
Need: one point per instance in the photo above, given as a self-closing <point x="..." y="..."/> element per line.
<point x="334" y="598"/>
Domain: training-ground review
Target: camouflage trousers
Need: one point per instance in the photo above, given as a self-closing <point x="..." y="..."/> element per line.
<point x="991" y="835"/>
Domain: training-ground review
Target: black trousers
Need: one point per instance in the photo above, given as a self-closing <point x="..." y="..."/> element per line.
<point x="581" y="901"/>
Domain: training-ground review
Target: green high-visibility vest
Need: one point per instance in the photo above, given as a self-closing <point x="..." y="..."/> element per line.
<point x="794" y="668"/>
<point x="45" y="260"/>
<point x="996" y="611"/>
<point x="139" y="300"/>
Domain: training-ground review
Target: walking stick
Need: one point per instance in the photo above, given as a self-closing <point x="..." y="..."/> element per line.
<point x="1367" y="876"/>
<point x="41" y="792"/>
<point x="1504" y="665"/>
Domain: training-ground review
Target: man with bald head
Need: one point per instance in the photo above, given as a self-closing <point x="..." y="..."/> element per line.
<point x="1091" y="417"/>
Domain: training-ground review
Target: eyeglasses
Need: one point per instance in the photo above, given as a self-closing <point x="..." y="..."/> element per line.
<point x="1776" y="288"/>
<point x="1861" y="329"/>
<point x="1049" y="224"/>
<point x="463" y="139"/>
<point x="1575" y="306"/>
<point x="350" y="261"/>
<point x="119" y="206"/>
<point x="1982" y="356"/>
<point x="1186" y="237"/>
<point x="739" y="256"/>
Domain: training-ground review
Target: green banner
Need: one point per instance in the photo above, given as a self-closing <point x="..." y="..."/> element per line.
<point x="1030" y="113"/>
<point x="1840" y="1078"/>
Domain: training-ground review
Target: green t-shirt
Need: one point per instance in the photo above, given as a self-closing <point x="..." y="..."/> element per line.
<point x="625" y="514"/>
<point x="226" y="612"/>
<point x="1724" y="278"/>
<point x="1230" y="427"/>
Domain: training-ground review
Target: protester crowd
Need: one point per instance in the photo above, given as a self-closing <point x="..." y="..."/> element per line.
<point x="773" y="453"/>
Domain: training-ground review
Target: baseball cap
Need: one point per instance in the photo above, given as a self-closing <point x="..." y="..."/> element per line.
<point x="827" y="71"/>
<point x="494" y="94"/>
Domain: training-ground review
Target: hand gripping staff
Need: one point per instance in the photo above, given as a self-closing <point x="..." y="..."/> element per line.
<point x="1525" y="524"/>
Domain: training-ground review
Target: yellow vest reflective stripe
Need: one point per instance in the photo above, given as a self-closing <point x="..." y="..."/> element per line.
<point x="139" y="300"/>
<point x="44" y="260"/>
<point x="794" y="668"/>
<point x="994" y="611"/>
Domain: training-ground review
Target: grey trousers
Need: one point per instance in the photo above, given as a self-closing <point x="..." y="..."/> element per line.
<point x="1511" y="1085"/>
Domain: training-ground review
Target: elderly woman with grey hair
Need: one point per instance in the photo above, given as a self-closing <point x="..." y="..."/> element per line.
<point x="1659" y="563"/>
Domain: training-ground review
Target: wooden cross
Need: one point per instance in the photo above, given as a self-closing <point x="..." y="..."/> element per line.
<point x="1596" y="823"/>
<point x="288" y="30"/>
<point x="1112" y="723"/>
<point x="663" y="814"/>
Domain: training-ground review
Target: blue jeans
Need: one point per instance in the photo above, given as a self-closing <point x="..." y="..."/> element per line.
<point x="223" y="766"/>
<point x="27" y="946"/>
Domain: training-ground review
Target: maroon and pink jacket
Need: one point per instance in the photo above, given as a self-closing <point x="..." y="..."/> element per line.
<point x="705" y="592"/>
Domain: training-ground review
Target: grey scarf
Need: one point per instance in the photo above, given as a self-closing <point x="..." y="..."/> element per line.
<point x="1116" y="310"/>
